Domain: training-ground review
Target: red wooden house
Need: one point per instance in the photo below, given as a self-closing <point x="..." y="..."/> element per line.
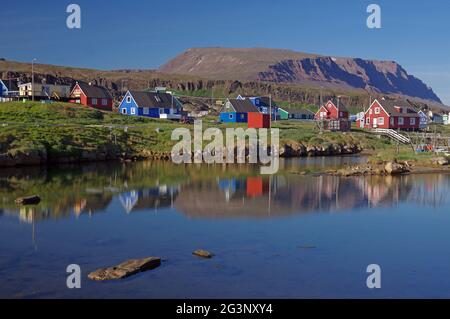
<point x="391" y="115"/>
<point x="334" y="118"/>
<point x="329" y="111"/>
<point x="91" y="95"/>
<point x="258" y="120"/>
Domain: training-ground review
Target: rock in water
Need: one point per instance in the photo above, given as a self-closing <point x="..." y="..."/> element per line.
<point x="30" y="200"/>
<point x="203" y="253"/>
<point x="125" y="269"/>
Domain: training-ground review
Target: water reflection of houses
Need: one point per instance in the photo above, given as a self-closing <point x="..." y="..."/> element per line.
<point x="284" y="195"/>
<point x="153" y="197"/>
<point x="431" y="190"/>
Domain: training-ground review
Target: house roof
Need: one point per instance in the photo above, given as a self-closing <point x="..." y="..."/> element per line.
<point x="153" y="99"/>
<point x="389" y="106"/>
<point x="264" y="100"/>
<point x="95" y="91"/>
<point x="341" y="107"/>
<point x="243" y="106"/>
<point x="10" y="85"/>
<point x="297" y="111"/>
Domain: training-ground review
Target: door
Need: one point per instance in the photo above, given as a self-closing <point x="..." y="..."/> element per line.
<point x="375" y="122"/>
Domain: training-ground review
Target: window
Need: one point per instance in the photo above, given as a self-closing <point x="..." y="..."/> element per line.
<point x="377" y="110"/>
<point x="392" y="121"/>
<point x="104" y="102"/>
<point x="341" y="114"/>
<point x="161" y="111"/>
<point x="133" y="110"/>
<point x="94" y="101"/>
<point x="146" y="111"/>
<point x="242" y="116"/>
<point x="412" y="121"/>
<point x="368" y="120"/>
<point x="128" y="99"/>
<point x="400" y="121"/>
<point x="381" y="121"/>
<point x="230" y="116"/>
<point x="124" y="111"/>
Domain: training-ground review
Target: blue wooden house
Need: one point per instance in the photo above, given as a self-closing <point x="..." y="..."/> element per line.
<point x="236" y="111"/>
<point x="151" y="104"/>
<point x="8" y="90"/>
<point x="262" y="103"/>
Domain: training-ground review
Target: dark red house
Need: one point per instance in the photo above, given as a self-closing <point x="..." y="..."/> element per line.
<point x="391" y="115"/>
<point x="330" y="111"/>
<point x="91" y="95"/>
<point x="334" y="118"/>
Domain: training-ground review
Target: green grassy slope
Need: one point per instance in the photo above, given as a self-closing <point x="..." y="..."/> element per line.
<point x="67" y="131"/>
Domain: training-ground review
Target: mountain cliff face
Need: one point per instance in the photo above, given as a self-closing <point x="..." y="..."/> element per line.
<point x="289" y="67"/>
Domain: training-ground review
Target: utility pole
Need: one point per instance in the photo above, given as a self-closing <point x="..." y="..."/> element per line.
<point x="321" y="97"/>
<point x="32" y="79"/>
<point x="270" y="109"/>
<point x="212" y="96"/>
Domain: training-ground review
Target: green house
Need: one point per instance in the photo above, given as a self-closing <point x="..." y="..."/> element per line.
<point x="446" y="119"/>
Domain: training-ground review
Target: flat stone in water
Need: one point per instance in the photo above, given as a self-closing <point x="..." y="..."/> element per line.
<point x="125" y="269"/>
<point x="202" y="253"/>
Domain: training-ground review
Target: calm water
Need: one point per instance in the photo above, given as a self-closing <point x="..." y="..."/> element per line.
<point x="288" y="236"/>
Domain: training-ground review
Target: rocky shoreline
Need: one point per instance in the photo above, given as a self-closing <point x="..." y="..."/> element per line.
<point x="40" y="156"/>
<point x="390" y="168"/>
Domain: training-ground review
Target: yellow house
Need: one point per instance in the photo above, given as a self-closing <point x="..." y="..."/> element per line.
<point x="44" y="90"/>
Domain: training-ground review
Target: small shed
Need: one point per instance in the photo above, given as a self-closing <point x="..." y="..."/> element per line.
<point x="258" y="120"/>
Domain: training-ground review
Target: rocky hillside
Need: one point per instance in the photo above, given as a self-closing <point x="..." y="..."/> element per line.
<point x="290" y="67"/>
<point x="192" y="87"/>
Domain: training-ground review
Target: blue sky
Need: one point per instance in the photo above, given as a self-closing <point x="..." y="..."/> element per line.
<point x="145" y="34"/>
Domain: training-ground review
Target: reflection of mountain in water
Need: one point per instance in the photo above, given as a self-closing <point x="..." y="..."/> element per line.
<point x="285" y="195"/>
<point x="207" y="191"/>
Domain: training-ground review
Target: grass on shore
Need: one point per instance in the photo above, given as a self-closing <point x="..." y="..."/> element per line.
<point x="67" y="130"/>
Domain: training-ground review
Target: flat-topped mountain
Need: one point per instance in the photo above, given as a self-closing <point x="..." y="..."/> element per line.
<point x="290" y="67"/>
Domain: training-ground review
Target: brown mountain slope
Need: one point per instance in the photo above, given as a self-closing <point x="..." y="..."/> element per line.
<point x="290" y="67"/>
<point x="119" y="81"/>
